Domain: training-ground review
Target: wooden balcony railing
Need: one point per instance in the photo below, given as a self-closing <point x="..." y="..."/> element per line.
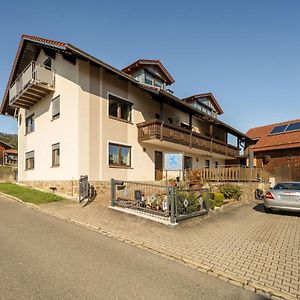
<point x="156" y="129"/>
<point x="227" y="174"/>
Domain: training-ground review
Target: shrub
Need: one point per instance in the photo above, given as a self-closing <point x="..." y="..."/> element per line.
<point x="193" y="202"/>
<point x="218" y="198"/>
<point x="212" y="204"/>
<point x="231" y="191"/>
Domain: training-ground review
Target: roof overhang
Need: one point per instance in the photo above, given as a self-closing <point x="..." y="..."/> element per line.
<point x="152" y="63"/>
<point x="169" y="98"/>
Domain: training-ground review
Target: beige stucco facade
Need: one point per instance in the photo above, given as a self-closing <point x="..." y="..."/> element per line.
<point x="84" y="128"/>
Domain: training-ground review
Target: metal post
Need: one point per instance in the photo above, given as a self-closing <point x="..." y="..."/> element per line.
<point x="207" y="199"/>
<point x="113" y="192"/>
<point x="172" y="199"/>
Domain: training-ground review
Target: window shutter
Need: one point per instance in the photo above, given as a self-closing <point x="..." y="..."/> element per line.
<point x="56" y="107"/>
<point x="55" y="146"/>
<point x="29" y="155"/>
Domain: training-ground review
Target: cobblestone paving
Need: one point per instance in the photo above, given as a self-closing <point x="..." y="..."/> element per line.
<point x="242" y="245"/>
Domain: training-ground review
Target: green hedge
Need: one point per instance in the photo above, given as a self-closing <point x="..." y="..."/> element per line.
<point x="231" y="191"/>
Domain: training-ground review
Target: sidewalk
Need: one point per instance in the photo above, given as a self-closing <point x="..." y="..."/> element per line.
<point x="241" y="245"/>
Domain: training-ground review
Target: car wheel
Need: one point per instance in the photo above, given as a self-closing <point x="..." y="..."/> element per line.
<point x="267" y="210"/>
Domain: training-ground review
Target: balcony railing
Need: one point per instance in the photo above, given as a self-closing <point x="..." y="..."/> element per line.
<point x="34" y="83"/>
<point x="227" y="174"/>
<point x="155" y="129"/>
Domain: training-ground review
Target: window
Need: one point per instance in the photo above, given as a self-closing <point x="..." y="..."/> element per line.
<point x="148" y="79"/>
<point x="216" y="164"/>
<point x="157" y="116"/>
<point x="30" y="124"/>
<point x="55" y="154"/>
<point x="47" y="63"/>
<point x="119" y="108"/>
<point x="170" y="120"/>
<point x="157" y="83"/>
<point x="29" y="160"/>
<point x="119" y="155"/>
<point x="207" y="163"/>
<point x="56" y="108"/>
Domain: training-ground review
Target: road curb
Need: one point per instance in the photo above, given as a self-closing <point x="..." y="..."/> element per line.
<point x="234" y="280"/>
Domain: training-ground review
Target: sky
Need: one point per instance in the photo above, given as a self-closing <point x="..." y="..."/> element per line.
<point x="245" y="52"/>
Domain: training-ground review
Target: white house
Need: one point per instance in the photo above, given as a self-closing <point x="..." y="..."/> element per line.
<point x="80" y="116"/>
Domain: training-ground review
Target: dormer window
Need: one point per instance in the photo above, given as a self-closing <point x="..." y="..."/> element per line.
<point x="149" y="79"/>
<point x="151" y="72"/>
<point x="158" y="83"/>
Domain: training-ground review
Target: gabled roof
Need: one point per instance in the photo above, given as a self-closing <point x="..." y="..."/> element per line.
<point x="265" y="141"/>
<point x="213" y="100"/>
<point x="149" y="62"/>
<point x="28" y="50"/>
<point x="29" y="42"/>
<point x="5" y="145"/>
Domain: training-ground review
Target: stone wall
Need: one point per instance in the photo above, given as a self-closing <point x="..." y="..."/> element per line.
<point x="247" y="188"/>
<point x="7" y="174"/>
<point x="67" y="188"/>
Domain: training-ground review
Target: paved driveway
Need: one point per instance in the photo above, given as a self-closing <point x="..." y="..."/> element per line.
<point x="241" y="245"/>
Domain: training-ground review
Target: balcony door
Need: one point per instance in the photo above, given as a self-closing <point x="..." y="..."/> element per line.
<point x="158" y="163"/>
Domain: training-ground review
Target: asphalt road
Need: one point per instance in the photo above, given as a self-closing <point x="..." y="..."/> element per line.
<point x="42" y="257"/>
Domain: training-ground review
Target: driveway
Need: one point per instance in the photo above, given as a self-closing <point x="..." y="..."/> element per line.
<point x="242" y="245"/>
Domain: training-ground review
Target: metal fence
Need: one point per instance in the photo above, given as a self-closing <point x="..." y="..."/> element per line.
<point x="168" y="202"/>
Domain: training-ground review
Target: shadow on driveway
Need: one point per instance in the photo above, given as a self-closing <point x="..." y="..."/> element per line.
<point x="259" y="207"/>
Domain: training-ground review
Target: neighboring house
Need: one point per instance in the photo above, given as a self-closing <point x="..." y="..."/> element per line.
<point x="10" y="157"/>
<point x="3" y="147"/>
<point x="80" y="116"/>
<point x="276" y="149"/>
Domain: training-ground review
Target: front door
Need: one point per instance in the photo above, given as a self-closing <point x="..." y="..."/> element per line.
<point x="158" y="162"/>
<point x="187" y="165"/>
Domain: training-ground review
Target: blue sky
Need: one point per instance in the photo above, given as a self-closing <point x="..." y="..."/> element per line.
<point x="245" y="52"/>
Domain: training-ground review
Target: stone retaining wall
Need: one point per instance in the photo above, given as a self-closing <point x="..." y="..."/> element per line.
<point x="248" y="188"/>
<point x="68" y="188"/>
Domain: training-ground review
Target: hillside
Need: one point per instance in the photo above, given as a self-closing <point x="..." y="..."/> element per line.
<point x="11" y="139"/>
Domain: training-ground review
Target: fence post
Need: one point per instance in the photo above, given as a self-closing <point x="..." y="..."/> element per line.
<point x="207" y="199"/>
<point x="172" y="199"/>
<point x="113" y="192"/>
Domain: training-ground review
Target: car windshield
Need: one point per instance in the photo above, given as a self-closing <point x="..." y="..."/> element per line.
<point x="287" y="186"/>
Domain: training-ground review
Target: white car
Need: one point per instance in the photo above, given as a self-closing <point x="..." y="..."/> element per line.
<point x="284" y="196"/>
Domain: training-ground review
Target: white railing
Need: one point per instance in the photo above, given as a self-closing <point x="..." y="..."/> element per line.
<point x="33" y="73"/>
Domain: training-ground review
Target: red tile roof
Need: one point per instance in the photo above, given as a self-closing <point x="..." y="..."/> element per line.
<point x="274" y="141"/>
<point x="157" y="62"/>
<point x="42" y="40"/>
<point x="12" y="151"/>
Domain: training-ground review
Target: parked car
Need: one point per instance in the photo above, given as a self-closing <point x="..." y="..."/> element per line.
<point x="284" y="196"/>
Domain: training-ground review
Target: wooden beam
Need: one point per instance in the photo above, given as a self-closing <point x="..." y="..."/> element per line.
<point x="162" y="111"/>
<point x="190" y="121"/>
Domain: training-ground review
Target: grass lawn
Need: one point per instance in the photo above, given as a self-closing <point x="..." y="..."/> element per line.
<point x="28" y="194"/>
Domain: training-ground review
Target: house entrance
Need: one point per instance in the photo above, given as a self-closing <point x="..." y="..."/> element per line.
<point x="158" y="162"/>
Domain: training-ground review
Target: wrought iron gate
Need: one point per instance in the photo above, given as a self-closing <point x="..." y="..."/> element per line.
<point x="83" y="188"/>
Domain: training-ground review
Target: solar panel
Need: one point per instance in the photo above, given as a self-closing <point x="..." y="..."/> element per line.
<point x="294" y="126"/>
<point x="278" y="129"/>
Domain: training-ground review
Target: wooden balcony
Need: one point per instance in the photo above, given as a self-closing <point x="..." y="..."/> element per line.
<point x="227" y="174"/>
<point x="158" y="130"/>
<point x="33" y="84"/>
